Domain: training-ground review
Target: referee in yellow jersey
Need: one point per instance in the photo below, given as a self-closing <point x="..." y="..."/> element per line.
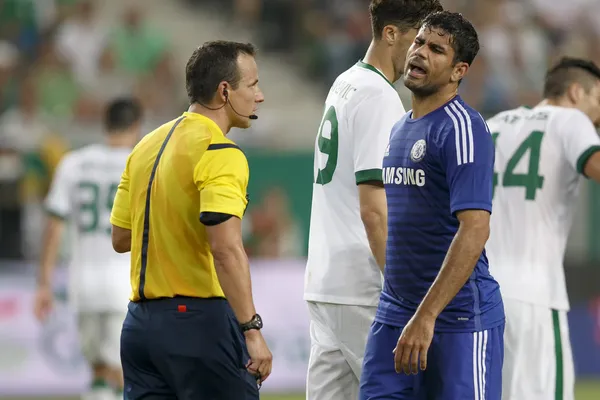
<point x="192" y="331"/>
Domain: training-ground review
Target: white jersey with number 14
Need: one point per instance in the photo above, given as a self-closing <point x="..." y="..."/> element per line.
<point x="82" y="192"/>
<point x="360" y="111"/>
<point x="540" y="155"/>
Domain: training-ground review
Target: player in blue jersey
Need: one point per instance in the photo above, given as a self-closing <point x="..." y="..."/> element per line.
<point x="440" y="310"/>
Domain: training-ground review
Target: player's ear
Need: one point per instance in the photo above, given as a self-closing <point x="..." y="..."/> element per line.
<point x="390" y="34"/>
<point x="459" y="71"/>
<point x="575" y="92"/>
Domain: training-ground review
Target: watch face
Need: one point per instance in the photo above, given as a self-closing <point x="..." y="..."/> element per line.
<point x="259" y="322"/>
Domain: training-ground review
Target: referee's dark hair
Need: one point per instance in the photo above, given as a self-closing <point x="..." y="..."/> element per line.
<point x="567" y="71"/>
<point x="121" y="114"/>
<point x="211" y="64"/>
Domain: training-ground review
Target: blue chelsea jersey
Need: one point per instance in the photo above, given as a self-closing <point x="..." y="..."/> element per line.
<point x="436" y="166"/>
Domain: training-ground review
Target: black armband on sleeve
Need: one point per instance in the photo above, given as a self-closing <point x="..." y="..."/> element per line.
<point x="213" y="218"/>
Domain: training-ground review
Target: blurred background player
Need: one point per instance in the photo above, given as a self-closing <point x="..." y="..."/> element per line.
<point x="192" y="331"/>
<point x="542" y="154"/>
<point x="440" y="307"/>
<point x="348" y="227"/>
<point x="82" y="194"/>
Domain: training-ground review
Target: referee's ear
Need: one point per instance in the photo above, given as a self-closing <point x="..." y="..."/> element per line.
<point x="121" y="239"/>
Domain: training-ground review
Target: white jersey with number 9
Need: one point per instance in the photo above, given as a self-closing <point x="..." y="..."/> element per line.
<point x="360" y="111"/>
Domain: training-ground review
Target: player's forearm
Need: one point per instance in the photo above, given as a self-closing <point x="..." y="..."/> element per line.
<point x="462" y="256"/>
<point x="376" y="228"/>
<point x="121" y="239"/>
<point x="233" y="272"/>
<point x="50" y="248"/>
<point x="373" y="213"/>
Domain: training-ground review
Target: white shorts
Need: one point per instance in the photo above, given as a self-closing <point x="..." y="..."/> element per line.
<point x="338" y="336"/>
<point x="538" y="361"/>
<point x="100" y="337"/>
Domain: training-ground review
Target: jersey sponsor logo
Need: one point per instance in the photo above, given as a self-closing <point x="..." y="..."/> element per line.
<point x="417" y="153"/>
<point x="403" y="176"/>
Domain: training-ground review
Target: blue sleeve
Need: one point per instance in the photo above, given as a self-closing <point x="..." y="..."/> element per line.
<point x="468" y="158"/>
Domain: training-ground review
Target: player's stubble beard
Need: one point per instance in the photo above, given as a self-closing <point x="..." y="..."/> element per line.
<point x="420" y="90"/>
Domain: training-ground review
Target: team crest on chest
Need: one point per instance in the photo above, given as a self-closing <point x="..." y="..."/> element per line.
<point x="417" y="153"/>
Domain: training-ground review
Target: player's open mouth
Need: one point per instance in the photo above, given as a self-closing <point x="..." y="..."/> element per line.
<point x="416" y="71"/>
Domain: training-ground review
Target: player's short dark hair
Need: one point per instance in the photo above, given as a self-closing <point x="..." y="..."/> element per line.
<point x="211" y="64"/>
<point x="463" y="36"/>
<point x="121" y="114"/>
<point x="404" y="14"/>
<point x="567" y="71"/>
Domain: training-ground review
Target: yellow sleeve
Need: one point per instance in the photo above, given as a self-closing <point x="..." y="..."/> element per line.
<point x="121" y="212"/>
<point x="222" y="179"/>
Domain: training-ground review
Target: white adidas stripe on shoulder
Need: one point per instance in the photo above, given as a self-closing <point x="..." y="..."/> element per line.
<point x="463" y="132"/>
<point x="487" y="128"/>
<point x="464" y="112"/>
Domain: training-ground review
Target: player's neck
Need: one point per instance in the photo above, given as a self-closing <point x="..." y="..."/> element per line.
<point x="219" y="117"/>
<point x="378" y="57"/>
<point x="423" y="105"/>
<point x="119" y="141"/>
<point x="557" y="102"/>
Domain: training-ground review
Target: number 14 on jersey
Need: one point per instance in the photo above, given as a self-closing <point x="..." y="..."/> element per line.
<point x="530" y="181"/>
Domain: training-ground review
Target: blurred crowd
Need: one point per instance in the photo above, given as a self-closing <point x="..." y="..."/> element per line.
<point x="271" y="230"/>
<point x="60" y="62"/>
<point x="59" y="65"/>
<point x="519" y="38"/>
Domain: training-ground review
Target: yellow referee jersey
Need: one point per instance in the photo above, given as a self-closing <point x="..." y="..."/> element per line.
<point x="181" y="169"/>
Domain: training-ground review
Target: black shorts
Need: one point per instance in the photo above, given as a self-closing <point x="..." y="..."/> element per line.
<point x="185" y="348"/>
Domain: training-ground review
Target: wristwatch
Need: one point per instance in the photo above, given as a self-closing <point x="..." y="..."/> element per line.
<point x="254" y="323"/>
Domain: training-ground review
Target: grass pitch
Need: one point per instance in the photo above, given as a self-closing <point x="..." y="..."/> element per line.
<point x="585" y="390"/>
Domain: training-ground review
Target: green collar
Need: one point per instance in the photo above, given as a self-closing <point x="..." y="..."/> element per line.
<point x="364" y="65"/>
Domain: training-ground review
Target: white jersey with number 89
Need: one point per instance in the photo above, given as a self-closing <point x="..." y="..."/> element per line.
<point x="540" y="155"/>
<point x="360" y="111"/>
<point x="82" y="192"/>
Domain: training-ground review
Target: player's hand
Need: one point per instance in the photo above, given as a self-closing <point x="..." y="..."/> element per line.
<point x="413" y="345"/>
<point x="260" y="356"/>
<point x="43" y="302"/>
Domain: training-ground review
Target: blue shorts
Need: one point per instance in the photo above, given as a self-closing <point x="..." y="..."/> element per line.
<point x="185" y="349"/>
<point x="460" y="366"/>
